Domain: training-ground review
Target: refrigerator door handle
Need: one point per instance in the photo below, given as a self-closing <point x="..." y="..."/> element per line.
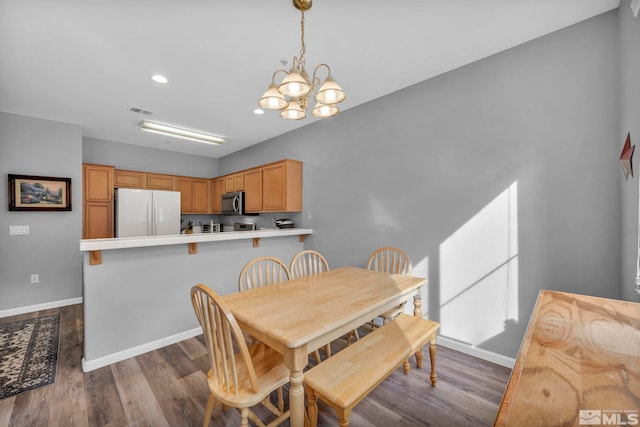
<point x="150" y="217"/>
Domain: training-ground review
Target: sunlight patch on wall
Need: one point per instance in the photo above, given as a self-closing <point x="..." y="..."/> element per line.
<point x="479" y="272"/>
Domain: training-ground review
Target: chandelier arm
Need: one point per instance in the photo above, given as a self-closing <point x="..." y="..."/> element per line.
<point x="273" y="78"/>
<point x="316" y="80"/>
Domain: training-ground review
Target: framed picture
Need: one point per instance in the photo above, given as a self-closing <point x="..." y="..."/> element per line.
<point x="39" y="193"/>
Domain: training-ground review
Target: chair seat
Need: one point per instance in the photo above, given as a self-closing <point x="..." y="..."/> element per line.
<point x="270" y="371"/>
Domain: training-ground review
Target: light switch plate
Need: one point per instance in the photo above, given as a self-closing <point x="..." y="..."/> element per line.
<point x="18" y="230"/>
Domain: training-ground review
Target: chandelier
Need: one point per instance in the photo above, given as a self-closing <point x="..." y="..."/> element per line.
<point x="292" y="95"/>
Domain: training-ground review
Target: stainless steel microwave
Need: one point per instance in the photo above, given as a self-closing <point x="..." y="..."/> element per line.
<point x="233" y="203"/>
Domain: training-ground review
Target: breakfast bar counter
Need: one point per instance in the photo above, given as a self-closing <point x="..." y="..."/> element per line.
<point x="136" y="290"/>
<point x="178" y="239"/>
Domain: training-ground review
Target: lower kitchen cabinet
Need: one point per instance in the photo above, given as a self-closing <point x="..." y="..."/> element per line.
<point x="97" y="220"/>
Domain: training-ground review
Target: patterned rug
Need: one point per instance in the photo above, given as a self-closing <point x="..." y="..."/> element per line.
<point x="28" y="354"/>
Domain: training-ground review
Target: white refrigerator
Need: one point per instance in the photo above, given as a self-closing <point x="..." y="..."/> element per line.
<point x="146" y="212"/>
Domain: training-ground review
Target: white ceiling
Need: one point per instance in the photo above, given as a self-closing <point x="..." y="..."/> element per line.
<point x="86" y="61"/>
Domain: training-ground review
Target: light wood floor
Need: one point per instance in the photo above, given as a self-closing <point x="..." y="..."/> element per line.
<point x="167" y="387"/>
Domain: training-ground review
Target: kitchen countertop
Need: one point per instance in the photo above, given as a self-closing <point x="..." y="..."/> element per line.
<point x="177" y="239"/>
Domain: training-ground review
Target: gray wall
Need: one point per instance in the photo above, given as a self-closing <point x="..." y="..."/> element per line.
<point x="134" y="157"/>
<point x="30" y="146"/>
<point x="420" y="168"/>
<point x="629" y="122"/>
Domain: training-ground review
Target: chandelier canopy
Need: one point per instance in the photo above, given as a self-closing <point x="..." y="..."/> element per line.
<point x="292" y="95"/>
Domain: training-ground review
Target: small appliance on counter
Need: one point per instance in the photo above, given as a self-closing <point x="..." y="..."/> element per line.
<point x="283" y="223"/>
<point x="211" y="228"/>
<point x="238" y="226"/>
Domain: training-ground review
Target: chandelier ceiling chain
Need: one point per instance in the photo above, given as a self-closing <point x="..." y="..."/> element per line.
<point x="291" y="95"/>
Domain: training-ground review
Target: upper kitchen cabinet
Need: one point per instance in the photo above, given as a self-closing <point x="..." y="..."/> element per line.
<point x="185" y="186"/>
<point x="282" y="186"/>
<point x="194" y="194"/>
<point x="253" y="190"/>
<point x="156" y="181"/>
<point x="97" y="201"/>
<point x="234" y="182"/>
<point x="200" y="195"/>
<point x="217" y="190"/>
<point x="128" y="179"/>
<point x="97" y="183"/>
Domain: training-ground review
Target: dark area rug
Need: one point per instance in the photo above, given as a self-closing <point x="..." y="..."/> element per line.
<point x="28" y="354"/>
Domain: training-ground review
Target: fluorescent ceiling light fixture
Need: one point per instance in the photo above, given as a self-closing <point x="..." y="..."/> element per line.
<point x="159" y="78"/>
<point x="175" y="132"/>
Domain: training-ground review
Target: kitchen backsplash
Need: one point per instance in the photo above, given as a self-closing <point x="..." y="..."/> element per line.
<point x="264" y="220"/>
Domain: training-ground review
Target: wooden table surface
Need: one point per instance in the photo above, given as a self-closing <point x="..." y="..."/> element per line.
<point x="298" y="316"/>
<point x="579" y="363"/>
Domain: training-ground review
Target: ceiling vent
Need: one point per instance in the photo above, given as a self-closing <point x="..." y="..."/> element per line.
<point x="140" y="111"/>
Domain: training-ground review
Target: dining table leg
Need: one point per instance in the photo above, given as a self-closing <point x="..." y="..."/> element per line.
<point x="417" y="311"/>
<point x="296" y="359"/>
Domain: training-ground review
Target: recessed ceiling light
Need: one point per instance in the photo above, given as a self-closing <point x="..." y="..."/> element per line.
<point x="159" y="78"/>
<point x="258" y="111"/>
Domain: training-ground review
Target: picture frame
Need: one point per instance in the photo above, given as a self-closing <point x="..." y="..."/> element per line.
<point x="39" y="193"/>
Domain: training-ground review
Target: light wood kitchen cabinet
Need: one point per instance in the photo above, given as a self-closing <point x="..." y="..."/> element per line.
<point x="97" y="201"/>
<point x="97" y="220"/>
<point x="156" y="181"/>
<point x="97" y="183"/>
<point x="194" y="194"/>
<point x="128" y="179"/>
<point x="217" y="190"/>
<point x="200" y="195"/>
<point x="185" y="186"/>
<point x="253" y="190"/>
<point x="282" y="187"/>
<point x="234" y="182"/>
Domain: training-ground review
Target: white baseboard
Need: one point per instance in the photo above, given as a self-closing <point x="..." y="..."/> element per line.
<point x="476" y="352"/>
<point x="90" y="365"/>
<point x="39" y="307"/>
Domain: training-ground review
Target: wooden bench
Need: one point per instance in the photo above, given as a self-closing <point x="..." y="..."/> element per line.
<point x="344" y="379"/>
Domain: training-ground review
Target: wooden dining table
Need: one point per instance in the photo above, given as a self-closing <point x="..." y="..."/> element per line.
<point x="298" y="316"/>
<point x="579" y="363"/>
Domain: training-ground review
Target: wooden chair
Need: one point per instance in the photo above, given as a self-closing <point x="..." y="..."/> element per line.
<point x="240" y="376"/>
<point x="390" y="260"/>
<point x="262" y="271"/>
<point x="305" y="263"/>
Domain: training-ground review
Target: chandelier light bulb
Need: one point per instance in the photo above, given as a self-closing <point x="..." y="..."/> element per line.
<point x="330" y="92"/>
<point x="324" y="110"/>
<point x="294" y="85"/>
<point x="272" y="99"/>
<point x="293" y="111"/>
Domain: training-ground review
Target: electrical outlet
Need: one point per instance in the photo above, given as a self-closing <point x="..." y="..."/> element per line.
<point x="309" y="215"/>
<point x="18" y="230"/>
<point x="220" y="290"/>
<point x="35" y="278"/>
